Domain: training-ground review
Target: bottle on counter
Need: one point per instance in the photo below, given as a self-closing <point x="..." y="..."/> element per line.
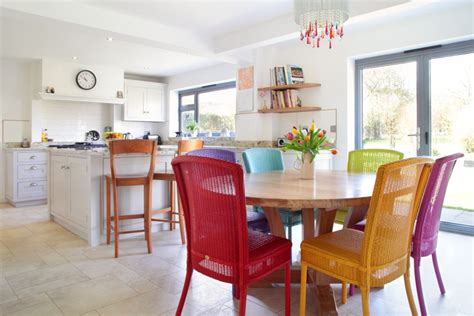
<point x="25" y="143"/>
<point x="44" y="135"/>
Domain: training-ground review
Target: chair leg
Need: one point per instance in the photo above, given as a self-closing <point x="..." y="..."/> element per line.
<point x="184" y="293"/>
<point x="181" y="224"/>
<point x="243" y="299"/>
<point x="172" y="204"/>
<point x="344" y="292"/>
<point x="107" y="208"/>
<point x="290" y="227"/>
<point x="147" y="220"/>
<point x="287" y="288"/>
<point x="411" y="301"/>
<point x="419" y="287"/>
<point x="351" y="289"/>
<point x="235" y="291"/>
<point x="434" y="257"/>
<point x="116" y="230"/>
<point x="304" y="275"/>
<point x="365" y="292"/>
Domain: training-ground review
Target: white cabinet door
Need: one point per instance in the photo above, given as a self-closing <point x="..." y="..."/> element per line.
<point x="154" y="105"/>
<point x="78" y="190"/>
<point x="134" y="107"/>
<point x="58" y="185"/>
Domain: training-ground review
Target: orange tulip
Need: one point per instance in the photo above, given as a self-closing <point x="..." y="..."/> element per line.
<point x="334" y="151"/>
<point x="307" y="138"/>
<point x="320" y="134"/>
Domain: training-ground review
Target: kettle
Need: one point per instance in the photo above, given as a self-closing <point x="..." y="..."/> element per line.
<point x="127" y="136"/>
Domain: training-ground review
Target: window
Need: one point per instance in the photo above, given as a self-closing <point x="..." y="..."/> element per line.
<point x="420" y="102"/>
<point x="212" y="107"/>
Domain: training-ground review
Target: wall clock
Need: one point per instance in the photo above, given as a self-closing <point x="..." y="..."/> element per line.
<point x="86" y="79"/>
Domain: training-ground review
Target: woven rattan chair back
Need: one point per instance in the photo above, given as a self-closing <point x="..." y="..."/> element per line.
<point x="369" y="160"/>
<point x="263" y="160"/>
<point x="216" y="153"/>
<point x="427" y="225"/>
<point x="212" y="191"/>
<point x="393" y="208"/>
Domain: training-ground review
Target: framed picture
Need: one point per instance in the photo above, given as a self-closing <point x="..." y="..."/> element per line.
<point x="295" y="74"/>
<point x="245" y="89"/>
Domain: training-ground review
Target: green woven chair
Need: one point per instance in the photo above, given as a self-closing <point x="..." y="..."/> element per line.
<point x="367" y="160"/>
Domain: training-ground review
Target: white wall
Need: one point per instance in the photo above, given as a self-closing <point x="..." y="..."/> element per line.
<point x="62" y="76"/>
<point x="15" y="105"/>
<point x="334" y="68"/>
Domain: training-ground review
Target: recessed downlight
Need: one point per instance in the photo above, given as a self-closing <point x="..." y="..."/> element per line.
<point x="146" y="68"/>
<point x="74" y="57"/>
<point x="110" y="39"/>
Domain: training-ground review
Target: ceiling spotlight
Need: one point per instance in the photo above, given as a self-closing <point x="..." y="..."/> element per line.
<point x="74" y="57"/>
<point x="146" y="68"/>
<point x="110" y="39"/>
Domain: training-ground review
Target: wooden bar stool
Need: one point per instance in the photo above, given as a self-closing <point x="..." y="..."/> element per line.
<point x="184" y="146"/>
<point x="136" y="146"/>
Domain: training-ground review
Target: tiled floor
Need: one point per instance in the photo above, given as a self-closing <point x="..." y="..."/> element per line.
<point x="45" y="270"/>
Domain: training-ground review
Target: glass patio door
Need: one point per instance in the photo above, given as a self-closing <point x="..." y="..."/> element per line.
<point x="452" y="130"/>
<point x="389" y="114"/>
<point x="420" y="102"/>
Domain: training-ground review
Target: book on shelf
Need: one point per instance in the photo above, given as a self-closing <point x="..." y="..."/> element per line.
<point x="284" y="75"/>
<point x="281" y="99"/>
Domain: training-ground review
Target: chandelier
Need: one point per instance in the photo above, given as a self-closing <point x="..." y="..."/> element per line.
<point x="320" y="20"/>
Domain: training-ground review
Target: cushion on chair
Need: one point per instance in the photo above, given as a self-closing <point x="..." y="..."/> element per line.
<point x="266" y="252"/>
<point x="336" y="253"/>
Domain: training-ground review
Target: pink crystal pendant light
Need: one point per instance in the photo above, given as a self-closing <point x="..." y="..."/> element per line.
<point x="321" y="20"/>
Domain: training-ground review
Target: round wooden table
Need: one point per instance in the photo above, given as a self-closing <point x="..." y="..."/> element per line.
<point x="327" y="192"/>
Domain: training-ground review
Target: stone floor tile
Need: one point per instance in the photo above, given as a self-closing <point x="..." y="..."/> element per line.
<point x="86" y="296"/>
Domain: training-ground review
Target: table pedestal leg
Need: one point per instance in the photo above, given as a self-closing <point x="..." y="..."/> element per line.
<point x="325" y="301"/>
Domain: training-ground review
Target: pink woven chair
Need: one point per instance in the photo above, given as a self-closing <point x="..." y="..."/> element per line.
<point x="219" y="243"/>
<point x="425" y="238"/>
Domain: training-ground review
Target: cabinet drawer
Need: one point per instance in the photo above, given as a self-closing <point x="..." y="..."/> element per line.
<point x="36" y="171"/>
<point x="32" y="157"/>
<point x="33" y="190"/>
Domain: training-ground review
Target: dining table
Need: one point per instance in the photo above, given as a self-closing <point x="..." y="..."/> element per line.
<point x="327" y="192"/>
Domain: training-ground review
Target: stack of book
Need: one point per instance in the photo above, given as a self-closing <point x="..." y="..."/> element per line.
<point x="287" y="98"/>
<point x="282" y="75"/>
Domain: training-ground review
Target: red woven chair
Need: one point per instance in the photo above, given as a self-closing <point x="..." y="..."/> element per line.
<point x="219" y="243"/>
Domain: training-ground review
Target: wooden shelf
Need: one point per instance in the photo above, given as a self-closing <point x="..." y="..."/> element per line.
<point x="79" y="98"/>
<point x="291" y="110"/>
<point x="291" y="86"/>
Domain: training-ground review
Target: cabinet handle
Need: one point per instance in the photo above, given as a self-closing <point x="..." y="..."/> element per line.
<point x="67" y="168"/>
<point x="62" y="167"/>
<point x="33" y="184"/>
<point x="33" y="168"/>
<point x="32" y="157"/>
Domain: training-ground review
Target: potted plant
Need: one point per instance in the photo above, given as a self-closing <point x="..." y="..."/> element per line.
<point x="309" y="143"/>
<point x="193" y="128"/>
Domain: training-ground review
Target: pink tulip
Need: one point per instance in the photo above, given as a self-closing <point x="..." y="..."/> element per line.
<point x="289" y="136"/>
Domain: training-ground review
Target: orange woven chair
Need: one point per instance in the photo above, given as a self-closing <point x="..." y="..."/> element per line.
<point x="219" y="244"/>
<point x="382" y="254"/>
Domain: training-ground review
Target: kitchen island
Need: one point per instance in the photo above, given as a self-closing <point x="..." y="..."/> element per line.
<point x="77" y="189"/>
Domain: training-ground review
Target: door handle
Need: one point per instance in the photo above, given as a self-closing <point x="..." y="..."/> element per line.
<point x="33" y="168"/>
<point x="417" y="135"/>
<point x="33" y="184"/>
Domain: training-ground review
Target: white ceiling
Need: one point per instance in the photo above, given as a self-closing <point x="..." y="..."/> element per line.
<point x="204" y="18"/>
<point x="154" y="38"/>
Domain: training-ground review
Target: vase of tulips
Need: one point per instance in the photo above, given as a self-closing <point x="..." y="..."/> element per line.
<point x="308" y="142"/>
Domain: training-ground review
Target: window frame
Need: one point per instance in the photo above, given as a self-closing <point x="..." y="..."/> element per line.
<point x="422" y="57"/>
<point x="196" y="92"/>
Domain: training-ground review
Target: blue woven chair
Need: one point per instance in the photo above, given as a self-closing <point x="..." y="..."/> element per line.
<point x="255" y="220"/>
<point x="266" y="160"/>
